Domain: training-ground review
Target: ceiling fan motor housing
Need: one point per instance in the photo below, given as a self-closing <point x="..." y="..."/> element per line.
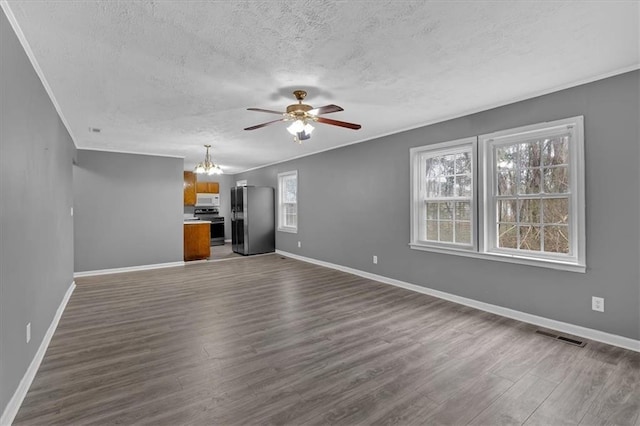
<point x="298" y="109"/>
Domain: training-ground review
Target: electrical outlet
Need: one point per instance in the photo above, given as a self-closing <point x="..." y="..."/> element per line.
<point x="299" y="244"/>
<point x="597" y="304"/>
<point x="375" y="260"/>
<point x="28" y="332"/>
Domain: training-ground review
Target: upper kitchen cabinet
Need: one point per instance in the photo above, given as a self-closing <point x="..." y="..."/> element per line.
<point x="207" y="187"/>
<point x="189" y="189"/>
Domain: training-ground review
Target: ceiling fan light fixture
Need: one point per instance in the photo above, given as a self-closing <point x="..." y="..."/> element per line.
<point x="207" y="166"/>
<point x="308" y="128"/>
<point x="300" y="129"/>
<point x="296" y="127"/>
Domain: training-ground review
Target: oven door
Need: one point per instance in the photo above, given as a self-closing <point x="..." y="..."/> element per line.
<point x="217" y="233"/>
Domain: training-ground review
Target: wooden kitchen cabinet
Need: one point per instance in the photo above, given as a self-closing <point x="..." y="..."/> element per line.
<point x="207" y="187"/>
<point x="197" y="241"/>
<point x="189" y="189"/>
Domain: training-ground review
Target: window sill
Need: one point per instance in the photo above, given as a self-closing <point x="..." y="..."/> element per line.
<point x="509" y="258"/>
<point x="289" y="230"/>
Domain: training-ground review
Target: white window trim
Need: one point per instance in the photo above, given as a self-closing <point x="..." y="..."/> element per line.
<point x="416" y="171"/>
<point x="575" y="125"/>
<point x="281" y="228"/>
<point x="483" y="205"/>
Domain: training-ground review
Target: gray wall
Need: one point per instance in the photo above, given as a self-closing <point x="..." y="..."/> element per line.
<point x="354" y="203"/>
<point x="36" y="227"/>
<point x="128" y="210"/>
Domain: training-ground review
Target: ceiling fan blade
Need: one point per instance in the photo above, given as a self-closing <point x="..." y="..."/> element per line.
<point x="338" y="123"/>
<point x="270" y="111"/>
<point x="257" y="126"/>
<point x="325" y="110"/>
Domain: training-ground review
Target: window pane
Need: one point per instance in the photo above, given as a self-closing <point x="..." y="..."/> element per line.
<point x="507" y="210"/>
<point x="463" y="210"/>
<point x="507" y="182"/>
<point x="529" y="154"/>
<point x="432" y="167"/>
<point x="507" y="235"/>
<point x="555" y="151"/>
<point x="556" y="239"/>
<point x="432" y="230"/>
<point x="463" y="163"/>
<point x="556" y="180"/>
<point x="529" y="181"/>
<point x="556" y="210"/>
<point x="447" y="186"/>
<point x="530" y="238"/>
<point x="446" y="210"/>
<point x="529" y="211"/>
<point x="448" y="162"/>
<point x="446" y="231"/>
<point x="432" y="188"/>
<point x="463" y="186"/>
<point x="463" y="232"/>
<point x="506" y="157"/>
<point x="432" y="211"/>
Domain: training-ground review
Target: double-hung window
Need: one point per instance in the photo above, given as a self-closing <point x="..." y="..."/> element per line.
<point x="288" y="201"/>
<point x="526" y="200"/>
<point x="444" y="188"/>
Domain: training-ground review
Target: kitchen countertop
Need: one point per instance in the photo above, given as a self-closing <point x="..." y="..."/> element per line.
<point x="195" y="222"/>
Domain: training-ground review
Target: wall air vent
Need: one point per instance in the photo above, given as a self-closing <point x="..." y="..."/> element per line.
<point x="564" y="339"/>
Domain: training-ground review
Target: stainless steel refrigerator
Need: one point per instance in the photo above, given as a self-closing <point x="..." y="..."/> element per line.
<point x="252" y="220"/>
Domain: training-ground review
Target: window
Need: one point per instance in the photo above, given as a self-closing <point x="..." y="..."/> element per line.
<point x="444" y="188"/>
<point x="529" y="198"/>
<point x="288" y="201"/>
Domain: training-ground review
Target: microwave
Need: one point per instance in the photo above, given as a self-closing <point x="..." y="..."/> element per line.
<point x="207" y="200"/>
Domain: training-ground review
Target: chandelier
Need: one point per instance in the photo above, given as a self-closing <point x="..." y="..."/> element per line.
<point x="207" y="166"/>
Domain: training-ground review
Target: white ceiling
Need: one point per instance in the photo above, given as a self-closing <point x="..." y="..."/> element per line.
<point x="166" y="77"/>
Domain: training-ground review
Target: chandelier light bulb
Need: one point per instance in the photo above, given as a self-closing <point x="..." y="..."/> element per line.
<point x="207" y="165"/>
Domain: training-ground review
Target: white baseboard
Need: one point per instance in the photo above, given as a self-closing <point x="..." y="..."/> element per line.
<point x="14" y="404"/>
<point x="127" y="269"/>
<point x="576" y="330"/>
<point x="227" y="241"/>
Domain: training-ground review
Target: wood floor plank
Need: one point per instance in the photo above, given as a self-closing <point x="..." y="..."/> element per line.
<point x="517" y="404"/>
<point x="272" y="340"/>
<point x="572" y="398"/>
<point x="619" y="401"/>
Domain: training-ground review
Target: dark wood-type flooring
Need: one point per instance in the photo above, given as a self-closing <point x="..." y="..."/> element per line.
<point x="272" y="340"/>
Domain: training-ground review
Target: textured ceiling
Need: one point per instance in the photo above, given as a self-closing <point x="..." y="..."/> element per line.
<point x="166" y="77"/>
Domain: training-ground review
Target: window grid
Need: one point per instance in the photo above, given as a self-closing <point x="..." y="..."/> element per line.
<point x="531" y="187"/>
<point x="447" y="173"/>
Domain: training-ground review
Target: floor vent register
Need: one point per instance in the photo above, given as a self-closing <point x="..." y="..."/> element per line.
<point x="562" y="338"/>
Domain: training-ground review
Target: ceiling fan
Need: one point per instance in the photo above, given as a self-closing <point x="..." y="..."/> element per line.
<point x="301" y="114"/>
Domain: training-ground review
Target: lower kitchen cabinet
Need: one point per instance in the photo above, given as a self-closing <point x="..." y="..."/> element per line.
<point x="197" y="241"/>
